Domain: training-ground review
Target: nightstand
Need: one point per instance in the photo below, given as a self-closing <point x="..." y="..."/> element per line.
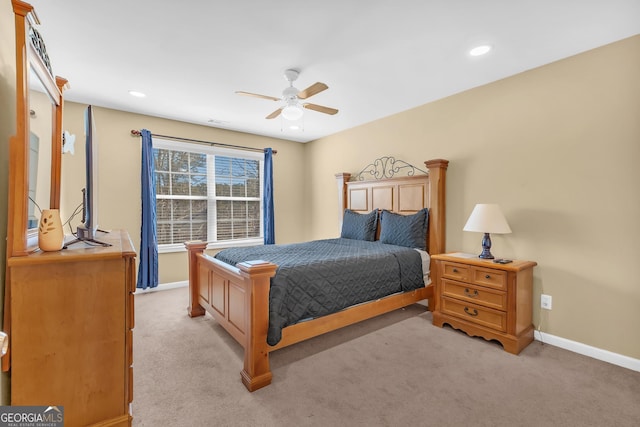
<point x="485" y="299"/>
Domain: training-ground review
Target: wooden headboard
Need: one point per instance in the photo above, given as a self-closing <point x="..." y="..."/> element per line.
<point x="403" y="195"/>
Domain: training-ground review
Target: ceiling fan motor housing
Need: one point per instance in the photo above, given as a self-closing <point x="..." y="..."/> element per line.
<point x="290" y="93"/>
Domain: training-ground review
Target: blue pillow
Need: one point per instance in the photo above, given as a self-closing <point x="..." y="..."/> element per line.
<point x="405" y="230"/>
<point x="359" y="226"/>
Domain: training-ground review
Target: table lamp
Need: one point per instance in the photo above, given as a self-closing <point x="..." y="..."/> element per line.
<point x="487" y="218"/>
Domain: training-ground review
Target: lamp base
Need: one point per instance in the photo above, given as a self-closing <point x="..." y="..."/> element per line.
<point x="486" y="246"/>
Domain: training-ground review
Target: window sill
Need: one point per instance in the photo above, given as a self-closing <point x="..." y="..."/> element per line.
<point x="179" y="247"/>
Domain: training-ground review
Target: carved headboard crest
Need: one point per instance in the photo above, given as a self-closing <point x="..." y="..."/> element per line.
<point x="386" y="167"/>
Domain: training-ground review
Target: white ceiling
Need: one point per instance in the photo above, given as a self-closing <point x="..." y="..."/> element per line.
<point x="377" y="57"/>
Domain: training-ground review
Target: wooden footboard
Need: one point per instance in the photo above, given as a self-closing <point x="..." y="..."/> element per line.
<point x="238" y="298"/>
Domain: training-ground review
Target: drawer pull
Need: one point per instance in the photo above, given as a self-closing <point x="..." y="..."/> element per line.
<point x="487" y="277"/>
<point x="475" y="312"/>
<point x="468" y="293"/>
<point x="455" y="270"/>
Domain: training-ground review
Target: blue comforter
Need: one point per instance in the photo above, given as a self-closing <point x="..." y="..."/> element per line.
<point x="321" y="277"/>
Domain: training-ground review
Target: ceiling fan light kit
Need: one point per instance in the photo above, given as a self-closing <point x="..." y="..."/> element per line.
<point x="292" y="125"/>
<point x="292" y="109"/>
<point x="292" y="112"/>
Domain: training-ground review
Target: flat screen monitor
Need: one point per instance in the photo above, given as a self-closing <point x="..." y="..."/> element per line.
<point x="89" y="227"/>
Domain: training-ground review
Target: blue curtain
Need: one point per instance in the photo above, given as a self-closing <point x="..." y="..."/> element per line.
<point x="267" y="200"/>
<point x="148" y="267"/>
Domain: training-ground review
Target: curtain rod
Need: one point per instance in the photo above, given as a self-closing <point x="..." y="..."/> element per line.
<point x="199" y="141"/>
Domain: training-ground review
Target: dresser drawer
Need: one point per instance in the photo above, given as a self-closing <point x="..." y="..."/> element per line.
<point x="478" y="314"/>
<point x="496" y="279"/>
<point x="478" y="295"/>
<point x="454" y="271"/>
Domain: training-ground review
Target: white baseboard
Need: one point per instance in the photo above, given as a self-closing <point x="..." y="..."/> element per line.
<point x="164" y="287"/>
<point x="587" y="350"/>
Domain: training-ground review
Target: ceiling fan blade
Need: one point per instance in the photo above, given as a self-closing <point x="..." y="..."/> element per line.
<point x="312" y="90"/>
<point x="271" y="98"/>
<point x="274" y="114"/>
<point x="320" y="108"/>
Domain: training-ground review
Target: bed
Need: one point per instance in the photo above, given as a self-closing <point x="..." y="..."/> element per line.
<point x="238" y="296"/>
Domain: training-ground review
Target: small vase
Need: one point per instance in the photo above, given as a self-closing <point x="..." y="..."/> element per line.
<point x="50" y="233"/>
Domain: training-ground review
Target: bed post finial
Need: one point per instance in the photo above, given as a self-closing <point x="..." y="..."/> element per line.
<point x="342" y="179"/>
<point x="437" y="205"/>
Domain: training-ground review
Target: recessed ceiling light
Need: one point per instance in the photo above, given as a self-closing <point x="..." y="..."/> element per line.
<point x="480" y="50"/>
<point x="137" y="94"/>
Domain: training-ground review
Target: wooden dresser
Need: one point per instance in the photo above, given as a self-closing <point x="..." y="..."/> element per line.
<point x="68" y="314"/>
<point x="72" y="315"/>
<point x="485" y="299"/>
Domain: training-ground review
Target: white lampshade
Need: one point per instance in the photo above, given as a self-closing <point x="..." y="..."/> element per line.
<point x="487" y="218"/>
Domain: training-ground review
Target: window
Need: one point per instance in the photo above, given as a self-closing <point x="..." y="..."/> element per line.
<point x="207" y="193"/>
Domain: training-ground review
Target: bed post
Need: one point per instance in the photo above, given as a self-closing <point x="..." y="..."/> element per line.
<point x="342" y="179"/>
<point x="194" y="248"/>
<point x="437" y="206"/>
<point x="257" y="276"/>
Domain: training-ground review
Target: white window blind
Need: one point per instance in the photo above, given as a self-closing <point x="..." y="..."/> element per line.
<point x="207" y="193"/>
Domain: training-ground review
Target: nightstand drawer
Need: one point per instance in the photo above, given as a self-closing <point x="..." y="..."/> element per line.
<point x="489" y="277"/>
<point x="473" y="294"/>
<point x="484" y="316"/>
<point x="456" y="271"/>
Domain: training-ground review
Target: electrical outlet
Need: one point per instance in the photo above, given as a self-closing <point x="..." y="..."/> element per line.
<point x="545" y="301"/>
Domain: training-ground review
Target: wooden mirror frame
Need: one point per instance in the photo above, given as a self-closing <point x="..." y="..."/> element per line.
<point x="31" y="56"/>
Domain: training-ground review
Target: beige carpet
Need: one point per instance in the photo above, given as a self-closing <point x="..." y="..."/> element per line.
<point x="394" y="370"/>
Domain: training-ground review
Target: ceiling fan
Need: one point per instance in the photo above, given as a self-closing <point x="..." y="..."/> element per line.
<point x="292" y="108"/>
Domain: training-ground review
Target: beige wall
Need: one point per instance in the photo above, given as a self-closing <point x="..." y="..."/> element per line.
<point x="119" y="174"/>
<point x="558" y="148"/>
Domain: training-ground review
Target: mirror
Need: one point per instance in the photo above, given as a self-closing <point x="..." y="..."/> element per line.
<point x="41" y="108"/>
<point x="35" y="151"/>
